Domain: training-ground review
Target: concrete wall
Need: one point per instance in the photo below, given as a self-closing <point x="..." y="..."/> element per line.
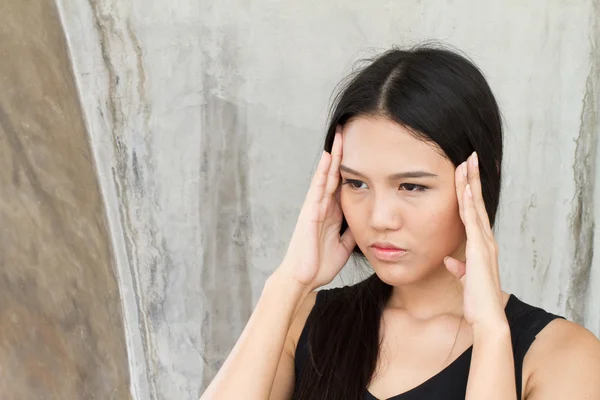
<point x="205" y="121"/>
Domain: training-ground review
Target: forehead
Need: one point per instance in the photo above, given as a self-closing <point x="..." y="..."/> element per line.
<point x="377" y="143"/>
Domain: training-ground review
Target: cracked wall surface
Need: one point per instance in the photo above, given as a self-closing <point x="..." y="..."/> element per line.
<point x="61" y="322"/>
<point x="205" y="121"/>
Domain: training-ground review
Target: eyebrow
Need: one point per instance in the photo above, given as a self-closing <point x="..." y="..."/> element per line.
<point x="401" y="175"/>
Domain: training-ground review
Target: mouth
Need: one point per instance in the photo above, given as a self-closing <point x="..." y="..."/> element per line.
<point x="384" y="251"/>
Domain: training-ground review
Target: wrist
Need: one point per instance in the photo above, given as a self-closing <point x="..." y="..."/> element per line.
<point x="283" y="279"/>
<point x="493" y="331"/>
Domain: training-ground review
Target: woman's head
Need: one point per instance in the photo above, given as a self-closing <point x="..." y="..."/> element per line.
<point x="419" y="112"/>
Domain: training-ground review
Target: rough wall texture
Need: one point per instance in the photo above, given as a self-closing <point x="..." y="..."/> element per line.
<point x="61" y="325"/>
<point x="206" y="119"/>
<point x="582" y="223"/>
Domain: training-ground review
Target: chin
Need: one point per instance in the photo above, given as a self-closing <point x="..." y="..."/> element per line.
<point x="397" y="274"/>
<point x="400" y="273"/>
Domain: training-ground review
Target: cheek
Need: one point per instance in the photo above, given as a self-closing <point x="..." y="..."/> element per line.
<point x="348" y="209"/>
<point x="444" y="224"/>
<point x="354" y="214"/>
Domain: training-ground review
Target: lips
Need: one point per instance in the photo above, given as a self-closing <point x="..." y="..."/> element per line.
<point x="385" y="246"/>
<point x="385" y="251"/>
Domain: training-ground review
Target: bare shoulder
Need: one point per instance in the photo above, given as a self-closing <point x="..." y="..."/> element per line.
<point x="299" y="321"/>
<point x="563" y="362"/>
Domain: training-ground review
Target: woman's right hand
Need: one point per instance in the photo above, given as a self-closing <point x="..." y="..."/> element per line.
<point x="317" y="252"/>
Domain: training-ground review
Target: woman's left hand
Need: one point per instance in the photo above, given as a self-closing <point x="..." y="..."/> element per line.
<point x="483" y="297"/>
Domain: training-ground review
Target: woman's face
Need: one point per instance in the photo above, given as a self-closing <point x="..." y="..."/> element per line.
<point x="416" y="211"/>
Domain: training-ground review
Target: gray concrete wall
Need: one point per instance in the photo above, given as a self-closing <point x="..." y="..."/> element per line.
<point x="206" y="118"/>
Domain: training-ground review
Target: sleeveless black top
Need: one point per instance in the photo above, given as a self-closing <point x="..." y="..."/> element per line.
<point x="525" y="323"/>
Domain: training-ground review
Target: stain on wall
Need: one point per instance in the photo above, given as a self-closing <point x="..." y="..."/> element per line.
<point x="225" y="211"/>
<point x="585" y="166"/>
<point x="226" y="219"/>
<point x="61" y="325"/>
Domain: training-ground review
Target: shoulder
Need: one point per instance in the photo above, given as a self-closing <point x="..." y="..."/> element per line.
<point x="563" y="362"/>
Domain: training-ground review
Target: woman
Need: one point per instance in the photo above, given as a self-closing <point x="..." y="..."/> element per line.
<point x="416" y="139"/>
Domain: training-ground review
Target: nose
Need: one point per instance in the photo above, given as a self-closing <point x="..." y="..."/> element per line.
<point x="385" y="213"/>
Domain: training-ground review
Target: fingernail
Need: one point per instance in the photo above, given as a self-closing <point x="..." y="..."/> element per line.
<point x="475" y="160"/>
<point x="463" y="167"/>
<point x="446" y="259"/>
<point x="469" y="193"/>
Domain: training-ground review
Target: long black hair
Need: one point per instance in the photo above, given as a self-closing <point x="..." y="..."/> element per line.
<point x="441" y="97"/>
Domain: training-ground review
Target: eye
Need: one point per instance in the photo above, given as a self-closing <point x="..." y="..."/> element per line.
<point x="354" y="184"/>
<point x="411" y="187"/>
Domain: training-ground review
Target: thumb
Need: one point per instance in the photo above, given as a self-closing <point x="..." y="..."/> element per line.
<point x="456" y="267"/>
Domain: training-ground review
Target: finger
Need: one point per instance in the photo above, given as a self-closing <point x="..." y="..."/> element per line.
<point x="329" y="200"/>
<point x="331" y="205"/>
<point x="460" y="181"/>
<point x="317" y="185"/>
<point x="479" y="205"/>
<point x="474" y="179"/>
<point x="333" y="177"/>
<point x="473" y="226"/>
<point x="338" y="195"/>
<point x="456" y="267"/>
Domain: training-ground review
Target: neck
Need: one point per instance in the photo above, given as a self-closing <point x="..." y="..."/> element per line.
<point x="440" y="293"/>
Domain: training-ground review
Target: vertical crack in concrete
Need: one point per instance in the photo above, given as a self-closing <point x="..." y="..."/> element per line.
<point x="141" y="83"/>
<point x="584" y="171"/>
<point x="156" y="292"/>
<point x="104" y="24"/>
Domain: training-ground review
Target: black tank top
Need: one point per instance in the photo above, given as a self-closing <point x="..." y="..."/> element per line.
<point x="525" y="323"/>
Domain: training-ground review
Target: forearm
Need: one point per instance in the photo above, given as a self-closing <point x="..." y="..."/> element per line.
<point x="249" y="370"/>
<point x="492" y="372"/>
